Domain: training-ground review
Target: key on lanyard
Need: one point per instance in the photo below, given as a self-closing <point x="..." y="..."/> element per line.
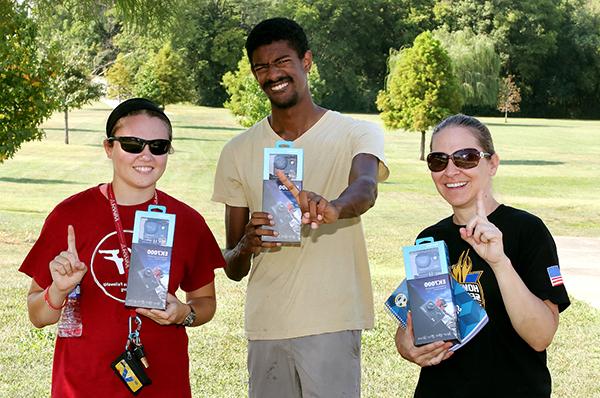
<point x="134" y="344"/>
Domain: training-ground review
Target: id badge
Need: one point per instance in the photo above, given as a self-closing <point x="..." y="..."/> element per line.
<point x="131" y="372"/>
<point x="151" y="246"/>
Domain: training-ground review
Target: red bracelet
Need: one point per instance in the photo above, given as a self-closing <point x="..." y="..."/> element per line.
<point x="47" y="300"/>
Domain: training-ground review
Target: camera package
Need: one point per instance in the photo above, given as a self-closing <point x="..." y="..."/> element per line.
<point x="434" y="313"/>
<point x="277" y="199"/>
<point x="151" y="247"/>
<point x="430" y="287"/>
<point x="471" y="315"/>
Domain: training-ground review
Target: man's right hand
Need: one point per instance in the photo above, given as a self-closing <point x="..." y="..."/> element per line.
<point x="251" y="242"/>
<point x="66" y="269"/>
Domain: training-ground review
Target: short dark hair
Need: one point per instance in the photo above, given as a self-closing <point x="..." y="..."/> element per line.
<point x="276" y="29"/>
<point x="475" y="127"/>
<point x="135" y="106"/>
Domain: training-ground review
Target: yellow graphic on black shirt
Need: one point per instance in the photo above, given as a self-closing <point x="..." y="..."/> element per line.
<point x="461" y="271"/>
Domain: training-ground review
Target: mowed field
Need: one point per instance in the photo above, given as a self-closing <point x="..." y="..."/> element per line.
<point x="548" y="167"/>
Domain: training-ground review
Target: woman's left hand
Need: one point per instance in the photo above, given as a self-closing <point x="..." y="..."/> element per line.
<point x="174" y="314"/>
<point x="483" y="236"/>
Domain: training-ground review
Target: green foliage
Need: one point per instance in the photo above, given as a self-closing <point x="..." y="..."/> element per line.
<point x="74" y="86"/>
<point x="551" y="46"/>
<point x="212" y="33"/>
<point x="164" y="78"/>
<point x="350" y="40"/>
<point x="73" y="29"/>
<point x="570" y="83"/>
<point x="25" y="89"/>
<point x="248" y="102"/>
<point x="421" y="87"/>
<point x="475" y="63"/>
<point x="74" y="43"/>
<point x="120" y="79"/>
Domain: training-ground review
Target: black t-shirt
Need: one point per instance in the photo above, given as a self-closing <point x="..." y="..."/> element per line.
<point x="497" y="362"/>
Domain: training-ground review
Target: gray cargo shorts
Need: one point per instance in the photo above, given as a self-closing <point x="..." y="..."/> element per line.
<point x="319" y="366"/>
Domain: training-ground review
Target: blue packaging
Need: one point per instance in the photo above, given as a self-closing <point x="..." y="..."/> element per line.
<point x="151" y="247"/>
<point x="277" y="199"/>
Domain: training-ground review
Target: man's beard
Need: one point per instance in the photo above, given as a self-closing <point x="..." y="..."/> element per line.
<point x="286" y="104"/>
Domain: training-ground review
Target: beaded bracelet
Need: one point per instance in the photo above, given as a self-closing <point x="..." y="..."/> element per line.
<point x="47" y="300"/>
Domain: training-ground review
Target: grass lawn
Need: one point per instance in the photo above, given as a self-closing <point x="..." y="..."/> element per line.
<point x="549" y="167"/>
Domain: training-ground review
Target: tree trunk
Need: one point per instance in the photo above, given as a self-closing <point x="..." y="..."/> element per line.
<point x="505" y="116"/>
<point x="67" y="126"/>
<point x="422" y="146"/>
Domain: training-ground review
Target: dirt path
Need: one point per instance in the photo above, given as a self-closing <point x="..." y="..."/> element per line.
<point x="580" y="266"/>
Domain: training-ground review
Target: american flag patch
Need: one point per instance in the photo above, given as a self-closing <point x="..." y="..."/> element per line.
<point x="556" y="278"/>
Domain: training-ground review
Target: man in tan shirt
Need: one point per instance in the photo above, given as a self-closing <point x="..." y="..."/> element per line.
<point x="306" y="304"/>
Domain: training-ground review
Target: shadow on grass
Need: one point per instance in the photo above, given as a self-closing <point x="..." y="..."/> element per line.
<point x="530" y="162"/>
<point x="509" y="124"/>
<point x="210" y="128"/>
<point x="73" y="130"/>
<point x="37" y="181"/>
<point x="199" y="139"/>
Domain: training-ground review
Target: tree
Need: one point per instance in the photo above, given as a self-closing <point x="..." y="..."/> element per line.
<point x="476" y="65"/>
<point x="120" y="78"/>
<point x="350" y="40"/>
<point x="25" y="89"/>
<point x="421" y="88"/>
<point x="75" y="41"/>
<point x="509" y="96"/>
<point x="164" y="78"/>
<point x="74" y="88"/>
<point x="248" y="102"/>
<point x="212" y="33"/>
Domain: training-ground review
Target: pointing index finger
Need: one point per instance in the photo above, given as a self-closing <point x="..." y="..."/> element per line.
<point x="288" y="184"/>
<point x="481" y="205"/>
<point x="71" y="247"/>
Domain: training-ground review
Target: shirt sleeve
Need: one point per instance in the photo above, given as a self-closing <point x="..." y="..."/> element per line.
<point x="369" y="138"/>
<point x="542" y="276"/>
<point x="228" y="187"/>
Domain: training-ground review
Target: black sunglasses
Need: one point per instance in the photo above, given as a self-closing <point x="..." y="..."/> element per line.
<point x="463" y="159"/>
<point x="136" y="145"/>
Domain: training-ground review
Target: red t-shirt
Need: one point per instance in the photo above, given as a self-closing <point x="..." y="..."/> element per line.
<point x="82" y="365"/>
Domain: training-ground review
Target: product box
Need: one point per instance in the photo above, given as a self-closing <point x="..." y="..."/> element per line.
<point x="429" y="287"/>
<point x="434" y="313"/>
<point x="471" y="315"/>
<point x="277" y="199"/>
<point x="151" y="246"/>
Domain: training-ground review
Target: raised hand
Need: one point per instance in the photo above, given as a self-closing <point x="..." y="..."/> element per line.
<point x="425" y="355"/>
<point x="316" y="210"/>
<point x="66" y="269"/>
<point x="483" y="236"/>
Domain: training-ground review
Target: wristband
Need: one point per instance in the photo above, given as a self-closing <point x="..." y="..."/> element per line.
<point x="47" y="300"/>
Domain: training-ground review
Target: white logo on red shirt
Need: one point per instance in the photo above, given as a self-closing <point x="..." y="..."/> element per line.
<point x="107" y="268"/>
